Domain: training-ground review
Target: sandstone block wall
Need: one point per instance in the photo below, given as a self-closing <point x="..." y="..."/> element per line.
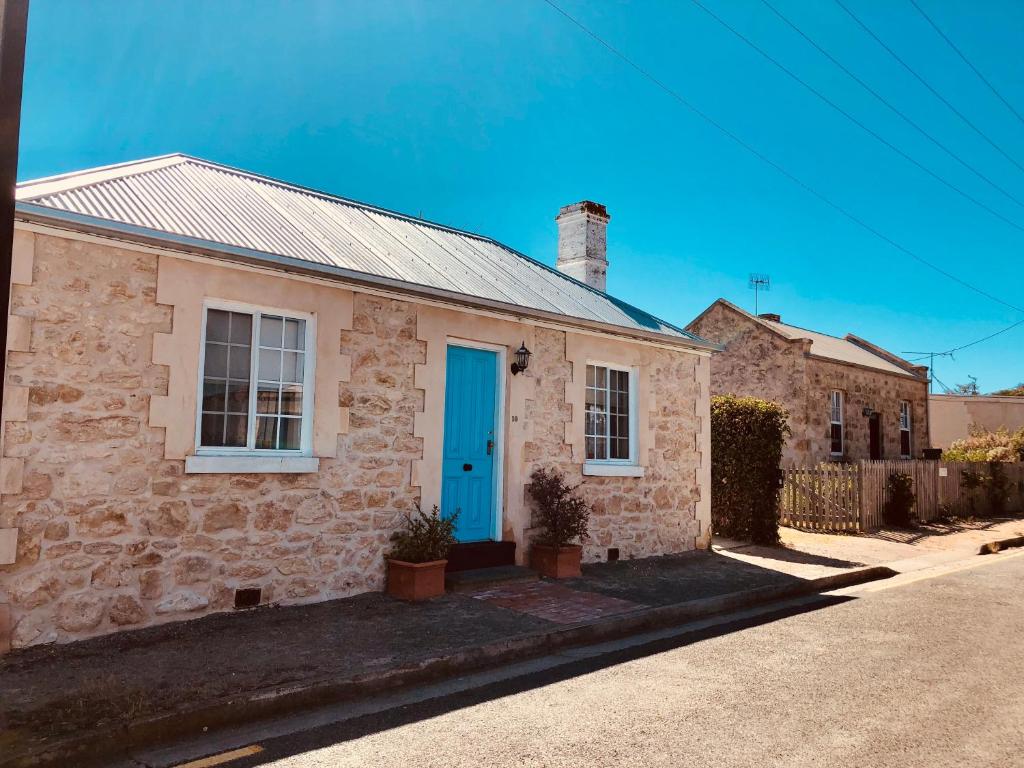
<point x="112" y="535"/>
<point x="763" y="364"/>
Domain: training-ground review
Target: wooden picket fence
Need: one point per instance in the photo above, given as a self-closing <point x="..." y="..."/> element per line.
<point x="851" y="497"/>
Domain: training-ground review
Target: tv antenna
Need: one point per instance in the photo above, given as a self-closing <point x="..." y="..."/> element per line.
<point x="759" y="282"/>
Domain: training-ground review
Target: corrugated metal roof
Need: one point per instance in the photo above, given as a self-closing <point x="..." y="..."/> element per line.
<point x="187" y="197"/>
<point x="840" y="350"/>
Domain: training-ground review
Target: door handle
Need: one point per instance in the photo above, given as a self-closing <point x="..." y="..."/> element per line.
<point x="490" y="447"/>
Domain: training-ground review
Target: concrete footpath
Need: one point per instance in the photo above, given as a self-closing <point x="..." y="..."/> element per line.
<point x="68" y="704"/>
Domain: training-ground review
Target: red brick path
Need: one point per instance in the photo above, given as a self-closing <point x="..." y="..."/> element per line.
<point x="555" y="602"/>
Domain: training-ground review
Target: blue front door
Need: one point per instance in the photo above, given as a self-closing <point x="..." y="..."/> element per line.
<point x="467" y="472"/>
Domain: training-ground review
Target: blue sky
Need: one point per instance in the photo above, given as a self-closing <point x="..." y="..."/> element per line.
<point x="491" y="115"/>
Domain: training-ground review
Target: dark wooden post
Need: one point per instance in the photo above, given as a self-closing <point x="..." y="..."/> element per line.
<point x="13" y="28"/>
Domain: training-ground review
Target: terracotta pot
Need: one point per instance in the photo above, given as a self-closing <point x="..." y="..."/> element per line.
<point x="416" y="581"/>
<point x="556" y="563"/>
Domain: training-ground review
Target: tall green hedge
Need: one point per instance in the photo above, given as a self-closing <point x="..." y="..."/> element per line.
<point x="747" y="436"/>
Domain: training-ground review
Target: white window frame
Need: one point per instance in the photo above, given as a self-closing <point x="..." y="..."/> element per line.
<point x="615" y="467"/>
<point x="246" y="459"/>
<point x="906" y="426"/>
<point x="833" y="401"/>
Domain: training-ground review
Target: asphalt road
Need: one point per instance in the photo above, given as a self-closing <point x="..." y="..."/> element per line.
<point x="928" y="673"/>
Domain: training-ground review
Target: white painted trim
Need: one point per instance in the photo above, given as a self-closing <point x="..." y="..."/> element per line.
<point x="608" y="469"/>
<point x="634" y="420"/>
<point x="621" y="334"/>
<point x="498" y="469"/>
<point x="308" y="383"/>
<point x="251" y="463"/>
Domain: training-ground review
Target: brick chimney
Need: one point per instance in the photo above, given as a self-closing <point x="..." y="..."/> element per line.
<point x="583" y="244"/>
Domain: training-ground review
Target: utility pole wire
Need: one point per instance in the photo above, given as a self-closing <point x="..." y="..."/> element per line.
<point x="966" y="61"/>
<point x="890" y="106"/>
<point x="968" y="344"/>
<point x="874" y="134"/>
<point x="967" y="121"/>
<point x="768" y="161"/>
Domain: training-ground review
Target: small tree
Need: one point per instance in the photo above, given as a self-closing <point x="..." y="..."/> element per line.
<point x="562" y="516"/>
<point x="747" y="436"/>
<point x="899" y="506"/>
<point x="425" y="538"/>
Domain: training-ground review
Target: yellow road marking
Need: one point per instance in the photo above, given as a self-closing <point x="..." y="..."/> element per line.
<point x="223" y="757"/>
<point x="910" y="578"/>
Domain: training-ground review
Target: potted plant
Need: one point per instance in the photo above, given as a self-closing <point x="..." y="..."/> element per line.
<point x="562" y="517"/>
<point x="419" y="554"/>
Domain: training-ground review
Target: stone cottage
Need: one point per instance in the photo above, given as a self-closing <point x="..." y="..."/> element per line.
<point x="847" y="399"/>
<point x="226" y="390"/>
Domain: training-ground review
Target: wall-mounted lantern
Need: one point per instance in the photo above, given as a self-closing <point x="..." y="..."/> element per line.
<point x="868" y="411"/>
<point x="522" y="362"/>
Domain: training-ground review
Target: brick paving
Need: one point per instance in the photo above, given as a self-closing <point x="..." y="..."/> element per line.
<point x="555" y="602"/>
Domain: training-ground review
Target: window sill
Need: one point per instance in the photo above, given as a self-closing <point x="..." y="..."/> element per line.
<point x="596" y="469"/>
<point x="241" y="465"/>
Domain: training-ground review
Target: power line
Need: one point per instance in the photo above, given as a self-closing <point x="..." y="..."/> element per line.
<point x="878" y="137"/>
<point x="966" y="61"/>
<point x="891" y="107"/>
<point x="949" y="352"/>
<point x="778" y="168"/>
<point x="970" y="124"/>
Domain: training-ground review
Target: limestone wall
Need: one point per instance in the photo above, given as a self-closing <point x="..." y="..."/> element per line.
<point x="863" y="388"/>
<point x="759" y="363"/>
<point x="112" y="532"/>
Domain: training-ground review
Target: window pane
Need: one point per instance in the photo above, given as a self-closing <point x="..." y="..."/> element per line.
<point x="289" y="434"/>
<point x="235" y="430"/>
<point x="591" y="448"/>
<point x="213" y="395"/>
<point x="295" y="334"/>
<point x="837" y="439"/>
<point x="620" y="448"/>
<point x="238" y="397"/>
<point x="267" y="397"/>
<point x="600" y="448"/>
<point x="591" y="375"/>
<point x="291" y="400"/>
<point x="291" y="368"/>
<point x="239" y="361"/>
<point x="266" y="432"/>
<point x="905" y="442"/>
<point x="216" y="363"/>
<point x="271" y="331"/>
<point x="241" y="329"/>
<point x="601" y="377"/>
<point x="270" y="365"/>
<point x="212" y="429"/>
<point x="217" y="325"/>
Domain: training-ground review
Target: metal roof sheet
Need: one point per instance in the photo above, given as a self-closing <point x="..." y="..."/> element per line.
<point x="840" y="350"/>
<point x="192" y="198"/>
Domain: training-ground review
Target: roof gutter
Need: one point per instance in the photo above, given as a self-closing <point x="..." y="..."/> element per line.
<point x="35" y="213"/>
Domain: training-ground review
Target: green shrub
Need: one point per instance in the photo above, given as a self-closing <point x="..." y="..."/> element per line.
<point x="899" y="506"/>
<point x="747" y="436"/>
<point x="425" y="538"/>
<point x="561" y="515"/>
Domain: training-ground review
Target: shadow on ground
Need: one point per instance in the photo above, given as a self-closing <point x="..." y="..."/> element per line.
<point x="108" y="683"/>
<point x="396" y="717"/>
<point x="937" y="528"/>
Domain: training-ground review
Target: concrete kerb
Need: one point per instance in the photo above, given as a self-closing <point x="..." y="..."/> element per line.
<point x="991" y="547"/>
<point x="279" y="701"/>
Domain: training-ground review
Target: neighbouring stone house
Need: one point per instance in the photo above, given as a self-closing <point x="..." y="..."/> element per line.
<point x="847" y="399"/>
<point x="224" y="389"/>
